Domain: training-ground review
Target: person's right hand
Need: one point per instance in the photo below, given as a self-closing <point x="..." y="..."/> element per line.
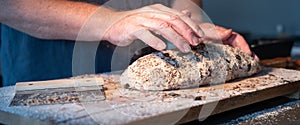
<point x="173" y="25"/>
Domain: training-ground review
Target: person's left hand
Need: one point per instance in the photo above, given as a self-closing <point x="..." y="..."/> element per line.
<point x="227" y="36"/>
<point x="236" y="40"/>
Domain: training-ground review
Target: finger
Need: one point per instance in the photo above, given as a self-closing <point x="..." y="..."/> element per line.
<point x="212" y="34"/>
<point x="124" y="42"/>
<point x="147" y="37"/>
<point x="185" y="18"/>
<point x="239" y="42"/>
<point x="176" y="23"/>
<point x="187" y="13"/>
<point x="256" y="58"/>
<point x="171" y="35"/>
<point x="168" y="33"/>
<point x="223" y="32"/>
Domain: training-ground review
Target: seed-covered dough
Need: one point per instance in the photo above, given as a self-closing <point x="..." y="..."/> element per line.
<point x="207" y="64"/>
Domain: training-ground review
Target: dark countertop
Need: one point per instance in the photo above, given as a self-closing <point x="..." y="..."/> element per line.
<point x="279" y="110"/>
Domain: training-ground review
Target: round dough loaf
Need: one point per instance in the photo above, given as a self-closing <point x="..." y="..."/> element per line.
<point x="207" y="64"/>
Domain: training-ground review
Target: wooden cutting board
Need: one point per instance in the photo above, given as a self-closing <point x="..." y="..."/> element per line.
<point x="123" y="106"/>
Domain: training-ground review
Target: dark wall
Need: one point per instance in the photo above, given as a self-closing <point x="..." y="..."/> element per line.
<point x="258" y="17"/>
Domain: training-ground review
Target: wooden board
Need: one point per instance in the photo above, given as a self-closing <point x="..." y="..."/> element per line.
<point x="134" y="107"/>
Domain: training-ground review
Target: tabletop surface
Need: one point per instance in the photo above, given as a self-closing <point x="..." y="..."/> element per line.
<point x="123" y="106"/>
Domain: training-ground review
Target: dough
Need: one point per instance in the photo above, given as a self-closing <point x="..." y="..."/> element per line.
<point x="208" y="63"/>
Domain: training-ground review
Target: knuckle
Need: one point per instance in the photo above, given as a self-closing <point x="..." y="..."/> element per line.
<point x="185" y="29"/>
<point x="164" y="25"/>
<point x="174" y="17"/>
<point x="178" y="38"/>
<point x="189" y="30"/>
<point x="158" y="5"/>
<point x="151" y="7"/>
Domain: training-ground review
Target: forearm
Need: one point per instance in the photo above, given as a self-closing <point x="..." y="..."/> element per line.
<point x="47" y="19"/>
<point x="63" y="19"/>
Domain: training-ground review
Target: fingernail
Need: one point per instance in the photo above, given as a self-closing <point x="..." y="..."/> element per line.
<point x="161" y="46"/>
<point x="201" y="40"/>
<point x="226" y="34"/>
<point x="196" y="40"/>
<point x="200" y="32"/>
<point x="186" y="48"/>
<point x="255" y="56"/>
<point x="228" y="31"/>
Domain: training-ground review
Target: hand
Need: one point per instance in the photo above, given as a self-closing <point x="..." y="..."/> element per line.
<point x="236" y="40"/>
<point x="227" y="36"/>
<point x="173" y="25"/>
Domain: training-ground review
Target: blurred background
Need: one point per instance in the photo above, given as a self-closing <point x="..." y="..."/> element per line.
<point x="261" y="22"/>
<point x="256" y="18"/>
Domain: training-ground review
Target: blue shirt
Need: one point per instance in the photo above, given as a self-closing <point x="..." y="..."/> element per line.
<point x="26" y="58"/>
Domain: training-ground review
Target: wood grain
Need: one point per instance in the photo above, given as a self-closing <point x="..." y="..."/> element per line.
<point x="59" y="83"/>
<point x="179" y="106"/>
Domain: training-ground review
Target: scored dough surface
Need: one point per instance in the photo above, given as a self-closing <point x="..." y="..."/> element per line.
<point x="207" y="64"/>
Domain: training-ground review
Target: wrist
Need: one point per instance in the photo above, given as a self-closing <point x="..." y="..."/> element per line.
<point x="99" y="23"/>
